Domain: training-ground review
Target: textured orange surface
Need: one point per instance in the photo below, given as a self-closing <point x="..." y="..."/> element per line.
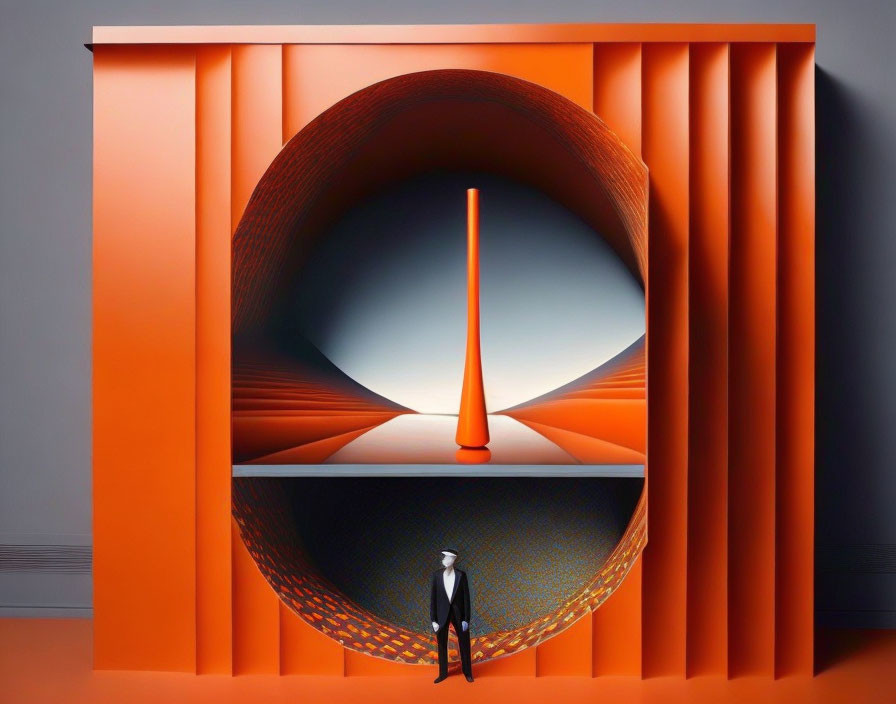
<point x="284" y="409"/>
<point x="601" y="418"/>
<point x="665" y="146"/>
<point x="263" y="518"/>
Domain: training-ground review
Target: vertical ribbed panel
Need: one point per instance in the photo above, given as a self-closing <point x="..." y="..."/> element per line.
<point x="665" y="145"/>
<point x="617" y="90"/>
<point x="256" y="615"/>
<point x="752" y="358"/>
<point x="616" y="625"/>
<point x="305" y="650"/>
<point x="726" y="579"/>
<point x="257" y="118"/>
<point x="707" y="632"/>
<point x="796" y="360"/>
<point x="213" y="460"/>
<point x="257" y="132"/>
<point x="144" y="358"/>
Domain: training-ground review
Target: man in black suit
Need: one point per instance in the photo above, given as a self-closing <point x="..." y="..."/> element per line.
<point x="450" y="603"/>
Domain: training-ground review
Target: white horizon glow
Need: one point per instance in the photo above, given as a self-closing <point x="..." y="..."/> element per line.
<point x="385" y="295"/>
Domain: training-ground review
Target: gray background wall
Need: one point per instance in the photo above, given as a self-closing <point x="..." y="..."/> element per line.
<point x="45" y="269"/>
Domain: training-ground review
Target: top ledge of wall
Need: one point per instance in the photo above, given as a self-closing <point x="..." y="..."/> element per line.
<point x="453" y="33"/>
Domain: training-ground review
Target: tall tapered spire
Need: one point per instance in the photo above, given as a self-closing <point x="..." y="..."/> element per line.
<point x="472" y="422"/>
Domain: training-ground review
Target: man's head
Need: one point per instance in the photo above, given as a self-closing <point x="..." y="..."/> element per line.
<point x="448" y="557"/>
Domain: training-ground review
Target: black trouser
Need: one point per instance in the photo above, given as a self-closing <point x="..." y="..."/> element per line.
<point x="463" y="643"/>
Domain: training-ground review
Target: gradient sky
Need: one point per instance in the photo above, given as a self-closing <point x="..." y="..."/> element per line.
<point x="383" y="294"/>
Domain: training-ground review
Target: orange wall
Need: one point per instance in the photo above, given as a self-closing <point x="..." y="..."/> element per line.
<point x="182" y="133"/>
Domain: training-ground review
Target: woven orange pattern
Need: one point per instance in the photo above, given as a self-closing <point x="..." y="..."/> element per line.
<point x="263" y="522"/>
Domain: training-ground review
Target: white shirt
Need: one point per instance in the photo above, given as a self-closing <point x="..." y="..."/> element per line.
<point x="448" y="578"/>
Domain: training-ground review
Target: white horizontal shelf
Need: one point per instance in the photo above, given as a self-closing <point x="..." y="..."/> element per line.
<point x="628" y="471"/>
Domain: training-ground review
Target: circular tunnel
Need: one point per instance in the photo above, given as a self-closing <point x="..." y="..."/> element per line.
<point x="353" y="556"/>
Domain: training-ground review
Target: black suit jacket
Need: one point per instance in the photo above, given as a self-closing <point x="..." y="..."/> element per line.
<point x="440" y="607"/>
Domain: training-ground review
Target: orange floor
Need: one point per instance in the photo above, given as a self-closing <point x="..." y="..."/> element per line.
<point x="48" y="660"/>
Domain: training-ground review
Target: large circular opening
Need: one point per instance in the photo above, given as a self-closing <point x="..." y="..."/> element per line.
<point x="344" y="340"/>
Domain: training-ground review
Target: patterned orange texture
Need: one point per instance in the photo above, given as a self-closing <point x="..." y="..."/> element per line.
<point x="176" y="125"/>
<point x="262" y="518"/>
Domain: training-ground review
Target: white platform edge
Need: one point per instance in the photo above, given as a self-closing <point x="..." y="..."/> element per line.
<point x="628" y="471"/>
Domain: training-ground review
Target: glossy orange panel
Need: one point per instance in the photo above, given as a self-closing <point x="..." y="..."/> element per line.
<point x="306" y="651"/>
<point x="796" y="360"/>
<point x="568" y="653"/>
<point x="707" y="632"/>
<point x="751" y="386"/>
<point x="257" y="119"/>
<point x="665" y="145"/>
<point x="616" y="628"/>
<point x="318" y="76"/>
<point x="144" y="359"/>
<point x="213" y="462"/>
<point x="256" y="615"/>
<point x="617" y="90"/>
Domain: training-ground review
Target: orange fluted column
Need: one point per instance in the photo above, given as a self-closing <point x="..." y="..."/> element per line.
<point x="752" y="360"/>
<point x="144" y="358"/>
<point x="665" y="91"/>
<point x="707" y="535"/>
<point x="795" y="399"/>
<point x="616" y="626"/>
<point x="214" y="584"/>
<point x="472" y="424"/>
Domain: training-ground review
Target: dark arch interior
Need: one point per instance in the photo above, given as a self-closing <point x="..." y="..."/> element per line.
<point x="528" y="543"/>
<point x="447" y="119"/>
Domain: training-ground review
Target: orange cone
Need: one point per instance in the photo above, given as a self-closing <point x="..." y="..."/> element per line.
<point x="472" y="422"/>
